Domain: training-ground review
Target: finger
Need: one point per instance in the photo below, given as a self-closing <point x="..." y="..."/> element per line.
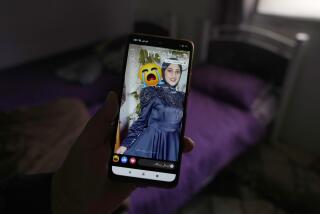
<point x="101" y="125"/>
<point x="187" y="145"/>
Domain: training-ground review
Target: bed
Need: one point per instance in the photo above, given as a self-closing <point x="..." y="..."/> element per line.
<point x="237" y="95"/>
<point x="235" y="100"/>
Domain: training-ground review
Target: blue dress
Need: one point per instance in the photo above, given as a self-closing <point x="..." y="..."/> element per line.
<point x="156" y="133"/>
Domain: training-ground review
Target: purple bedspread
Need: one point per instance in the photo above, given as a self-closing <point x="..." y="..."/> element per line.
<point x="221" y="132"/>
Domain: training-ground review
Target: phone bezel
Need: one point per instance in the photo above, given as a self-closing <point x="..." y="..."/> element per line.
<point x="164" y="42"/>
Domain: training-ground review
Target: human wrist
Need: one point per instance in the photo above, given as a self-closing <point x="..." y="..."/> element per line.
<point x="63" y="202"/>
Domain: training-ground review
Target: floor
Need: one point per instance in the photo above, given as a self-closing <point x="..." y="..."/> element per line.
<point x="267" y="179"/>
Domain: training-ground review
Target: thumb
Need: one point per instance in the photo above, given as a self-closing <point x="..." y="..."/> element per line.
<point x="101" y="126"/>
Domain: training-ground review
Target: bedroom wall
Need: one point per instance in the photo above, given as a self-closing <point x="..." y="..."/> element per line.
<point x="34" y="29"/>
<point x="302" y="120"/>
<point x="187" y="13"/>
<point x="187" y="16"/>
<point x="37" y="28"/>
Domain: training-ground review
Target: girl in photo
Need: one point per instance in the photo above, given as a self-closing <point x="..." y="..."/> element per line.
<point x="156" y="133"/>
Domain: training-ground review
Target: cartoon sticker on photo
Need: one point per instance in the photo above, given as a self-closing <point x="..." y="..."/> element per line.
<point x="150" y="74"/>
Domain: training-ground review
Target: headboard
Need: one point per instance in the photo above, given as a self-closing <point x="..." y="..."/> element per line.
<point x="260" y="52"/>
<point x="252" y="50"/>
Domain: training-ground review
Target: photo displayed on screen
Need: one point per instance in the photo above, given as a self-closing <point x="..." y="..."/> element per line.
<point x="151" y="112"/>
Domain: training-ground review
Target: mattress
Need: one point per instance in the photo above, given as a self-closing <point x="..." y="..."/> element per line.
<point x="221" y="132"/>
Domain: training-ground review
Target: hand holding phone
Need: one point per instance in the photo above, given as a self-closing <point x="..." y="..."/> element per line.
<point x="81" y="184"/>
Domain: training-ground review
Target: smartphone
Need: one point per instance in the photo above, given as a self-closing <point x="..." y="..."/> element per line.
<point x="148" y="137"/>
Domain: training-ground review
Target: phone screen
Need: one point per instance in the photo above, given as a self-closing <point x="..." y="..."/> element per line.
<point x="152" y="113"/>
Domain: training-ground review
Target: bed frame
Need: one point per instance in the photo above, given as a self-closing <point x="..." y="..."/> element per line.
<point x="268" y="55"/>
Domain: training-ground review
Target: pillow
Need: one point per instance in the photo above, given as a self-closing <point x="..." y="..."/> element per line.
<point x="228" y="85"/>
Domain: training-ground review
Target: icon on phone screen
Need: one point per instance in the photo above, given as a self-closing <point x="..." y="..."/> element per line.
<point x="124" y="159"/>
<point x="132" y="161"/>
<point x="115" y="158"/>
